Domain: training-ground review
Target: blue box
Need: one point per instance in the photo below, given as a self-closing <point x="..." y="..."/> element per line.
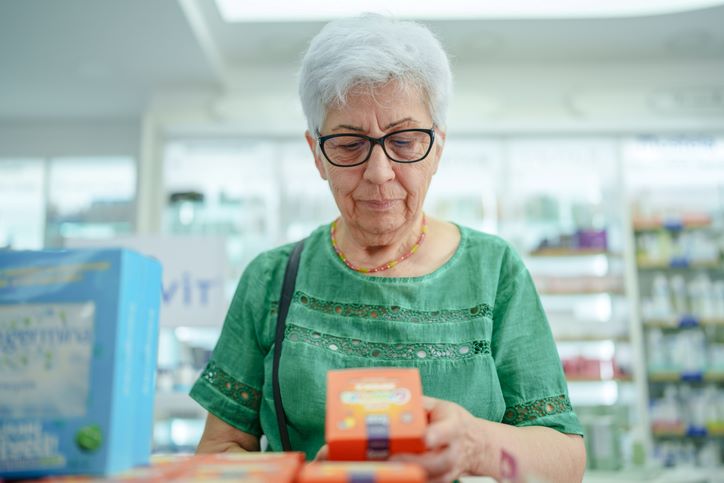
<point x="78" y="342"/>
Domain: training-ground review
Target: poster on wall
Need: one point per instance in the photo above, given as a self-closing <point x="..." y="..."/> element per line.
<point x="194" y="273"/>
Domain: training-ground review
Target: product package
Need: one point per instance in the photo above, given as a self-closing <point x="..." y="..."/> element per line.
<point x="246" y="467"/>
<point x="78" y="348"/>
<point x="374" y="413"/>
<point x="364" y="471"/>
<point x="238" y="467"/>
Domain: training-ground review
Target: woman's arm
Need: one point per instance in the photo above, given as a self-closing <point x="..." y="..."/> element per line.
<point x="461" y="444"/>
<point x="220" y="437"/>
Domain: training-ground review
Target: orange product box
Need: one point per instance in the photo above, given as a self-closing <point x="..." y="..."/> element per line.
<point x="240" y="467"/>
<point x="163" y="468"/>
<point x="246" y="467"/>
<point x="362" y="471"/>
<point x="373" y="413"/>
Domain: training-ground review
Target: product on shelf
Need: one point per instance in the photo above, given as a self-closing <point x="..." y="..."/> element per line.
<point x="592" y="369"/>
<point x="684" y="300"/>
<point x="581" y="241"/>
<point x="365" y="471"/>
<point x="78" y="334"/>
<point x="374" y="413"/>
<point x="677" y="248"/>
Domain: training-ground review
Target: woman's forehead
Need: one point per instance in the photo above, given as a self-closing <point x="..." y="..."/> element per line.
<point x="382" y="107"/>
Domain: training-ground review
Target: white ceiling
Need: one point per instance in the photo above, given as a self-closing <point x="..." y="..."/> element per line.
<point x="93" y="58"/>
<point x="80" y="59"/>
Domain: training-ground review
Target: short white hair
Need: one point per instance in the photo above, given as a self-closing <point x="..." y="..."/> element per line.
<point x="368" y="52"/>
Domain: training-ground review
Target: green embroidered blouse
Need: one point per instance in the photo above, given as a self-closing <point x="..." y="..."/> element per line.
<point x="475" y="328"/>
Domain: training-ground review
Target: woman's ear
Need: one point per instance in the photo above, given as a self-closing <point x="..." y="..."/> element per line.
<point x="439" y="145"/>
<point x="318" y="161"/>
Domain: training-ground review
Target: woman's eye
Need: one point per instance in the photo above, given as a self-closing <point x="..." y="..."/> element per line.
<point x="351" y="146"/>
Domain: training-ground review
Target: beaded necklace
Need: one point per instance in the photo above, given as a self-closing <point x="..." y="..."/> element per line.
<point x="384" y="266"/>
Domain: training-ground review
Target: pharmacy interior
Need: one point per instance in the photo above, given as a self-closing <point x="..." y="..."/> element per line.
<point x="140" y="196"/>
<point x="622" y="234"/>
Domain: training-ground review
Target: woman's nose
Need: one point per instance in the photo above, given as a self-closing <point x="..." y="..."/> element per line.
<point x="378" y="169"/>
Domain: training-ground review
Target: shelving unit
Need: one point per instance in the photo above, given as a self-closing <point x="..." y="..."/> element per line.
<point x="554" y="207"/>
<point x="678" y="240"/>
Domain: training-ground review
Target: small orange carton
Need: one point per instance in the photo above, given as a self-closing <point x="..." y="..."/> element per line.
<point x="240" y="467"/>
<point x="373" y="413"/>
<point x="363" y="472"/>
<point x="246" y="467"/>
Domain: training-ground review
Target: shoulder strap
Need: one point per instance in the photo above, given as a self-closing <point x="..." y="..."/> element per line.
<point x="290" y="277"/>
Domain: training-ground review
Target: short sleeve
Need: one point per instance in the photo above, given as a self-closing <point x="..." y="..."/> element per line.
<point x="529" y="368"/>
<point x="230" y="387"/>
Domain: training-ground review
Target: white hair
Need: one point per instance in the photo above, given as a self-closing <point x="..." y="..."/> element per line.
<point x="368" y="52"/>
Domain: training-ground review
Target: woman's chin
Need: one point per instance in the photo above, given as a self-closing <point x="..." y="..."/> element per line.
<point x="381" y="223"/>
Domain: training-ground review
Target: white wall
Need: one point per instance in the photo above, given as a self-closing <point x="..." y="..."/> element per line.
<point x="51" y="138"/>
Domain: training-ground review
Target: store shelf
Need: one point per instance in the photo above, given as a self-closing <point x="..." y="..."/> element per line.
<point x="555" y="252"/>
<point x="621" y="378"/>
<point x="654" y="475"/>
<point x="683" y="322"/>
<point x="572" y="338"/>
<point x="709" y="431"/>
<point x="673" y="224"/>
<point x="572" y="292"/>
<point x="694" y="376"/>
<point x="588" y="285"/>
<point x="676" y="263"/>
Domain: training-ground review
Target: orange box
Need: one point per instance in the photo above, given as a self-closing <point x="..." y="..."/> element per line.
<point x="240" y="467"/>
<point x="364" y="471"/>
<point x="374" y="413"/>
<point x="246" y="467"/>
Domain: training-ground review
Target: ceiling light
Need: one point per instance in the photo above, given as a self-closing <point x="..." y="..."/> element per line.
<point x="316" y="10"/>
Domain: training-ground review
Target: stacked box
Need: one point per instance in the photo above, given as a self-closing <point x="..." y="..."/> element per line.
<point x="78" y="342"/>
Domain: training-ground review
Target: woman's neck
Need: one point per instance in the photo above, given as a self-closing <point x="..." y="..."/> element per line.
<point x="370" y="250"/>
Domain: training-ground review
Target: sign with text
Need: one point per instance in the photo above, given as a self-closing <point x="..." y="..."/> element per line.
<point x="194" y="272"/>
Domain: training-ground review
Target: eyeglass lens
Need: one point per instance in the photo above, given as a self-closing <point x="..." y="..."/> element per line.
<point x="352" y="149"/>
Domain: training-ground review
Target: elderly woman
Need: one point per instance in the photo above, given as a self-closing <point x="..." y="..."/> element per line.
<point x="386" y="285"/>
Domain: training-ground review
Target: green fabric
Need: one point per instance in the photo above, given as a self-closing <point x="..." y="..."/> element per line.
<point x="475" y="328"/>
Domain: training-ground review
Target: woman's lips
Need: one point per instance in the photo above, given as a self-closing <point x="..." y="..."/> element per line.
<point x="378" y="204"/>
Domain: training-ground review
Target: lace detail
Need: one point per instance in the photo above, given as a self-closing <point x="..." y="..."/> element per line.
<point x="390" y="313"/>
<point x="230" y="387"/>
<point x="377" y="350"/>
<point x="537" y="409"/>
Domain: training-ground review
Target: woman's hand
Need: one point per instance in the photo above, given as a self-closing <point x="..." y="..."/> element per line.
<point x="450" y="448"/>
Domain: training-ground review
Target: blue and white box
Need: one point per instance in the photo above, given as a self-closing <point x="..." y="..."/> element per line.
<point x="78" y="347"/>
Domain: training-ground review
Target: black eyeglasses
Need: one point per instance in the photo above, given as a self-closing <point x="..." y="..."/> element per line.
<point x="405" y="146"/>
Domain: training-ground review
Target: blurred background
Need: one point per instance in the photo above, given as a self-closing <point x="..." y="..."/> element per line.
<point x="590" y="136"/>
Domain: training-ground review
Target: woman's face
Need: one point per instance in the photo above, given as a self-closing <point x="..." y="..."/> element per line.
<point x="380" y="196"/>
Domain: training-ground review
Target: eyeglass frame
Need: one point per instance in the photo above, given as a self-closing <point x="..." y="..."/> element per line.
<point x="381" y="141"/>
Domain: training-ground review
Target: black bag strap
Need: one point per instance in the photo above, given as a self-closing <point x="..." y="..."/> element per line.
<point x="290" y="278"/>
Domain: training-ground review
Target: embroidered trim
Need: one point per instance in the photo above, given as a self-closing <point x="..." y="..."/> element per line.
<point x="389" y="313"/>
<point x="532" y="410"/>
<point x="377" y="350"/>
<point x="230" y="387"/>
